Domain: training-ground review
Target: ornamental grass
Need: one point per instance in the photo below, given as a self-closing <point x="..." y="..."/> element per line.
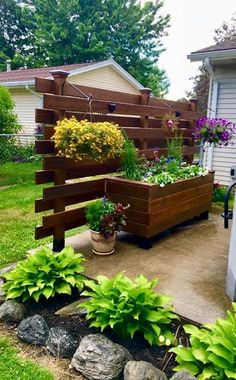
<point x="84" y="139"/>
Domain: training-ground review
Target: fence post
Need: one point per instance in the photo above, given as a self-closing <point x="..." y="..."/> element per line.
<point x="59" y="175"/>
<point x="145" y="95"/>
<point x="193" y="108"/>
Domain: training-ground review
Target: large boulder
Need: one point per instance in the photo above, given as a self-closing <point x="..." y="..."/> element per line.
<point x="33" y="330"/>
<point x="140" y="370"/>
<point x="98" y="358"/>
<point x="61" y="343"/>
<point x="12" y="311"/>
<point x="183" y="375"/>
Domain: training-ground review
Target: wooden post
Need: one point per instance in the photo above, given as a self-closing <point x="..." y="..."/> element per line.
<point x="59" y="175"/>
<point x="145" y="95"/>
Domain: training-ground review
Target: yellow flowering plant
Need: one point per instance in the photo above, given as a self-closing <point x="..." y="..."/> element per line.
<point x="84" y="139"/>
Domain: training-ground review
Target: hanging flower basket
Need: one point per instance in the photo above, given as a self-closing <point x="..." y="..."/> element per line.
<point x="83" y="139"/>
<point x="217" y="132"/>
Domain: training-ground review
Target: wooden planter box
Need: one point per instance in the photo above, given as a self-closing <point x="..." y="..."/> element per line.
<point x="154" y="209"/>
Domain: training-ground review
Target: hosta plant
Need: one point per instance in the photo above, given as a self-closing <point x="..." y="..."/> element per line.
<point x="212" y="351"/>
<point x="130" y="307"/>
<point x="45" y="274"/>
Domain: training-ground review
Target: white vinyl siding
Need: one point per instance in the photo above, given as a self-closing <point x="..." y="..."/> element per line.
<point x="225" y="157"/>
<point x="106" y="78"/>
<point x="25" y="104"/>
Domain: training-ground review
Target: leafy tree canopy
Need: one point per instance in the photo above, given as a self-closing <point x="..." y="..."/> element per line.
<point x="8" y="120"/>
<point x="201" y="80"/>
<point x="35" y="33"/>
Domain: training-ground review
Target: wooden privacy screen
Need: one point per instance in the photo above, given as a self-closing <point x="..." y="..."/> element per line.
<point x="140" y="117"/>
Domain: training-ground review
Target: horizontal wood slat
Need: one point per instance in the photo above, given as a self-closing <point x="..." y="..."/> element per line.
<point x="47" y="146"/>
<point x="80" y="188"/>
<point x="44" y="176"/>
<point x="41" y="205"/>
<point x="65" y="103"/>
<point x="46" y="86"/>
<point x="49" y="117"/>
<point x="63" y="218"/>
<point x="41" y="232"/>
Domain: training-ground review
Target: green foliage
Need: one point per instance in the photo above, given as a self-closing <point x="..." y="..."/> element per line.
<point x="212" y="351"/>
<point x="13" y="367"/>
<point x="175" y="148"/>
<point x="130" y="307"/>
<point x="105" y="216"/>
<point x="219" y="192"/>
<point x="12" y="150"/>
<point x="173" y="174"/>
<point x="45" y="274"/>
<point x="88" y="30"/>
<point x="95" y="212"/>
<point x="8" y="120"/>
<point x="130" y="163"/>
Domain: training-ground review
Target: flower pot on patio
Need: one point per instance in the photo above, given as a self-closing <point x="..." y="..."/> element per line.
<point x="102" y="246"/>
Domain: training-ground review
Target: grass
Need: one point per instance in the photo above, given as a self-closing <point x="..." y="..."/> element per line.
<point x="18" y="221"/>
<point x="14" y="368"/>
<point x="12" y="173"/>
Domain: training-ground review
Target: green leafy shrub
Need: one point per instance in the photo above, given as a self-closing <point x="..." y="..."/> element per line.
<point x="212" y="351"/>
<point x="45" y="274"/>
<point x="219" y="192"/>
<point x="130" y="163"/>
<point x="130" y="307"/>
<point x="175" y="148"/>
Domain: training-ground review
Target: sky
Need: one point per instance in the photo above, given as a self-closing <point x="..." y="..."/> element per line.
<point x="192" y="28"/>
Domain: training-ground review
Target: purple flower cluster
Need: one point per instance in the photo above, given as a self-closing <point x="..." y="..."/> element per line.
<point x="214" y="131"/>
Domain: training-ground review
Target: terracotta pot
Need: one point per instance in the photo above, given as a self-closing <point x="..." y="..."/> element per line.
<point x="101" y="245"/>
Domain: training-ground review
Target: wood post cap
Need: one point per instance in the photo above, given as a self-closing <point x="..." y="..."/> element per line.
<point x="59" y="74"/>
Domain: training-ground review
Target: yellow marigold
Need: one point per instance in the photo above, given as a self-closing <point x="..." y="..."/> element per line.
<point x="98" y="141"/>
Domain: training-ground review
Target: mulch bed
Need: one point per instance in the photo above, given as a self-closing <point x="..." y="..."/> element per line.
<point x="138" y="347"/>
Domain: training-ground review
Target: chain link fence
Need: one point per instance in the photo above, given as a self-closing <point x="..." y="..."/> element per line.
<point x="18" y="161"/>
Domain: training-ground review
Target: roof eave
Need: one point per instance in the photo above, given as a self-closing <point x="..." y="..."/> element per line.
<point x="17" y="84"/>
<point x="217" y="55"/>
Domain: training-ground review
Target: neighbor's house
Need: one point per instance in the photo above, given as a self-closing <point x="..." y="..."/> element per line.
<point x="220" y="61"/>
<point x="105" y="74"/>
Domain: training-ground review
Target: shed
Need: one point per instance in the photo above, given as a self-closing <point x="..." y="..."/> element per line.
<point x="107" y="75"/>
<point x="220" y="61"/>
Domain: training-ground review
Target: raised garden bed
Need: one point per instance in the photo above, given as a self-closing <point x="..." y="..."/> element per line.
<point x="153" y="209"/>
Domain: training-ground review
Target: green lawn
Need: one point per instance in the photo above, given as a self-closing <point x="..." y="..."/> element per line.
<point x="12" y="173"/>
<point x="18" y="221"/>
<point x="14" y="368"/>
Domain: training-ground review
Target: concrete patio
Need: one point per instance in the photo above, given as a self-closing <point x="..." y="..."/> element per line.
<point x="190" y="262"/>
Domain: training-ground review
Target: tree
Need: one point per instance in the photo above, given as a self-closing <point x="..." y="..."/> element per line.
<point x="201" y="80"/>
<point x="8" y="120"/>
<point x="34" y="33"/>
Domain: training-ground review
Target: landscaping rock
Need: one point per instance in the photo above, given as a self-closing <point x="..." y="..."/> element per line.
<point x="33" y="330"/>
<point x="140" y="370"/>
<point x="98" y="358"/>
<point x="12" y="311"/>
<point x="2" y="294"/>
<point x="73" y="309"/>
<point x="183" y="375"/>
<point x="61" y="343"/>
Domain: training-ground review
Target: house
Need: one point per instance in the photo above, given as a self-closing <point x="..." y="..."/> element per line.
<point x="220" y="61"/>
<point x="105" y="74"/>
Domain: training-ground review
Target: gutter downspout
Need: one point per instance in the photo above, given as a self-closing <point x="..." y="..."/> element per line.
<point x="212" y="102"/>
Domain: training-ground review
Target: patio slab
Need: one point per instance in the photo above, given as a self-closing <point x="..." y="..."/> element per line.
<point x="191" y="264"/>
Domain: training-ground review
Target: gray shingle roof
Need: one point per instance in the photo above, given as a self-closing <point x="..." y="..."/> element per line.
<point x="228" y="44"/>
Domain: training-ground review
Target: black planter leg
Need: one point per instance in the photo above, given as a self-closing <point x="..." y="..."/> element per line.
<point x="145" y="243"/>
<point x="204" y="215"/>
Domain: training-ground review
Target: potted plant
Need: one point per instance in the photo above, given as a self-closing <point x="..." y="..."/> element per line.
<point x="105" y="218"/>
